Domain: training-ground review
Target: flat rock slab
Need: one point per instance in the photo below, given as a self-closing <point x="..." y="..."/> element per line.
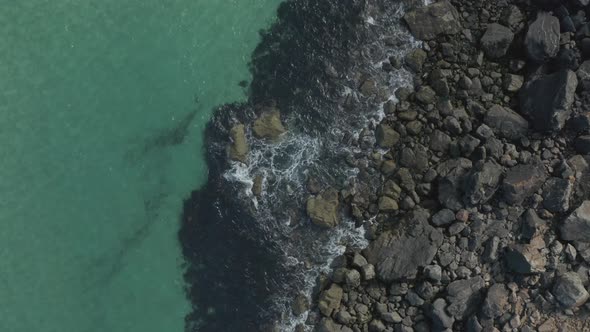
<point x="398" y="254"/>
<point x="439" y="18"/>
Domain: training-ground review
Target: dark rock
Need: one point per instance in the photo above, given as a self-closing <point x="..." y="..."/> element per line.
<point x="415" y="159"/>
<point x="443" y="217"/>
<point x="323" y="209"/>
<point x="440" y="318"/>
<point x="576" y="227"/>
<point x="399" y="254"/>
<point x="556" y="195"/>
<point x="269" y="125"/>
<point x="532" y="225"/>
<point x="506" y="123"/>
<point x="567" y="59"/>
<point x="525" y="259"/>
<point x="439" y="18"/>
<point x="425" y="95"/>
<point x="386" y="136"/>
<point x="496" y="40"/>
<point x="439" y="141"/>
<point x="583" y="74"/>
<point x="464" y="297"/>
<point x="522" y="181"/>
<point x="238" y="149"/>
<point x="547" y="100"/>
<point x="542" y="39"/>
<point x="300" y="305"/>
<point x="582" y="144"/>
<point x="496" y="301"/>
<point x="570" y="291"/>
<point x="452" y="175"/>
<point x="415" y="59"/>
<point x="482" y="182"/>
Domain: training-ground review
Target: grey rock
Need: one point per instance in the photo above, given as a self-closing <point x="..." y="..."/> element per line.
<point x="344" y="317"/>
<point x="443" y="217"/>
<point x="415" y="59"/>
<point x="583" y="74"/>
<point x="513" y="83"/>
<point x="376" y="326"/>
<point x="425" y="95"/>
<point x="352" y="278"/>
<point x="547" y="100"/>
<point x="433" y="272"/>
<point x="399" y="254"/>
<point x="525" y="259"/>
<point x="496" y="40"/>
<point x="506" y="123"/>
<point x="496" y="301"/>
<point x="327" y="325"/>
<point x="300" y="305"/>
<point x="391" y="317"/>
<point x="358" y="261"/>
<point x="387" y="204"/>
<point x="582" y="144"/>
<point x="482" y="182"/>
<point x="330" y="299"/>
<point x="522" y="181"/>
<point x="386" y="136"/>
<point x="576" y="227"/>
<point x="368" y="272"/>
<point x="439" y="18"/>
<point x="569" y="290"/>
<point x="439" y="141"/>
<point x="269" y="125"/>
<point x="440" y="318"/>
<point x="464" y="297"/>
<point x="238" y="149"/>
<point x="542" y="38"/>
<point x="556" y="194"/>
<point x="323" y="209"/>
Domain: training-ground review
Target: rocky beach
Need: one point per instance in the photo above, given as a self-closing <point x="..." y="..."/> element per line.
<point x="401" y="166"/>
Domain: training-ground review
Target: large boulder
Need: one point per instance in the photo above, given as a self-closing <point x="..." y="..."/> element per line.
<point x="542" y="38"/>
<point x="269" y="125"/>
<point x="464" y="297"/>
<point x="556" y="194"/>
<point x="482" y="182"/>
<point x="569" y="290"/>
<point x="547" y="100"/>
<point x="323" y="209"/>
<point x="496" y="40"/>
<point x="330" y="299"/>
<point x="523" y="181"/>
<point x="386" y="136"/>
<point x="525" y="259"/>
<point x="439" y="18"/>
<point x="506" y="123"/>
<point x="238" y="149"/>
<point x="576" y="227"/>
<point x="496" y="301"/>
<point x="399" y="254"/>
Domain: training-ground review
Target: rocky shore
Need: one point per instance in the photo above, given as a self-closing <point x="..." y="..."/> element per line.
<point x="473" y="187"/>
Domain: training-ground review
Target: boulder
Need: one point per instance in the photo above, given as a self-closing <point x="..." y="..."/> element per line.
<point x="542" y="38"/>
<point x="439" y="316"/>
<point x="582" y="144"/>
<point x="415" y="59"/>
<point x="556" y="194"/>
<point x="425" y="95"/>
<point x="238" y="149"/>
<point x="300" y="305"/>
<point x="386" y="136"/>
<point x="388" y="204"/>
<point x="399" y="254"/>
<point x="452" y="174"/>
<point x="327" y="325"/>
<point x="576" y="227"/>
<point x="464" y="297"/>
<point x="512" y="83"/>
<point x="438" y="18"/>
<point x="323" y="209"/>
<point x="496" y="40"/>
<point x="506" y="123"/>
<point x="443" y="217"/>
<point x="522" y="181"/>
<point x="569" y="290"/>
<point x="269" y="125"/>
<point x="496" y="301"/>
<point x="525" y="259"/>
<point x="583" y="74"/>
<point x="482" y="182"/>
<point x="547" y="100"/>
<point x="330" y="299"/>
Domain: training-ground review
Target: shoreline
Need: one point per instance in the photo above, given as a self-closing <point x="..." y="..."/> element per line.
<point x="469" y="185"/>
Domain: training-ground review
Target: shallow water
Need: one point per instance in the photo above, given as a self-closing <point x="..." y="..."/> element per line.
<point x="102" y="106"/>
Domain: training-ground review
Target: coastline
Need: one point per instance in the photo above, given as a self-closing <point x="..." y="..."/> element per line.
<point x="462" y="161"/>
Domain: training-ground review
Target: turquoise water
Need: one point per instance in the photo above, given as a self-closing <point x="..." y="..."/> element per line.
<point x="102" y="107"/>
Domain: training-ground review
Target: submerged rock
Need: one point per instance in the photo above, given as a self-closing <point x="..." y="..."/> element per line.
<point x="399" y="254"/>
<point x="269" y="125"/>
<point x="439" y="18"/>
<point x="323" y="209"/>
<point x="547" y="100"/>
<point x="238" y="149"/>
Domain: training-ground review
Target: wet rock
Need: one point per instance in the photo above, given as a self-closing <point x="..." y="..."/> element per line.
<point x="386" y="136"/>
<point x="388" y="204"/>
<point x="400" y="253"/>
<point x="257" y="186"/>
<point x="440" y="318"/>
<point x="556" y="194"/>
<point x="439" y="18"/>
<point x="330" y="299"/>
<point x="269" y="125"/>
<point x="496" y="40"/>
<point x="352" y="278"/>
<point x="547" y="100"/>
<point x="542" y="38"/>
<point x="496" y="301"/>
<point x="425" y="95"/>
<point x="323" y="209"/>
<point x="376" y="326"/>
<point x="238" y="149"/>
<point x="522" y="181"/>
<point x="439" y="141"/>
<point x="414" y="158"/>
<point x="506" y="123"/>
<point x="415" y="59"/>
<point x="569" y="290"/>
<point x="482" y="182"/>
<point x="464" y="297"/>
<point x="300" y="305"/>
<point x="576" y="227"/>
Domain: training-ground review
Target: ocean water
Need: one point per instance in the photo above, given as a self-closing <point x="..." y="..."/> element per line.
<point x="102" y="109"/>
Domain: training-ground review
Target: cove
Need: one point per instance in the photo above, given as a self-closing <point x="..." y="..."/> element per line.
<point x="102" y="108"/>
